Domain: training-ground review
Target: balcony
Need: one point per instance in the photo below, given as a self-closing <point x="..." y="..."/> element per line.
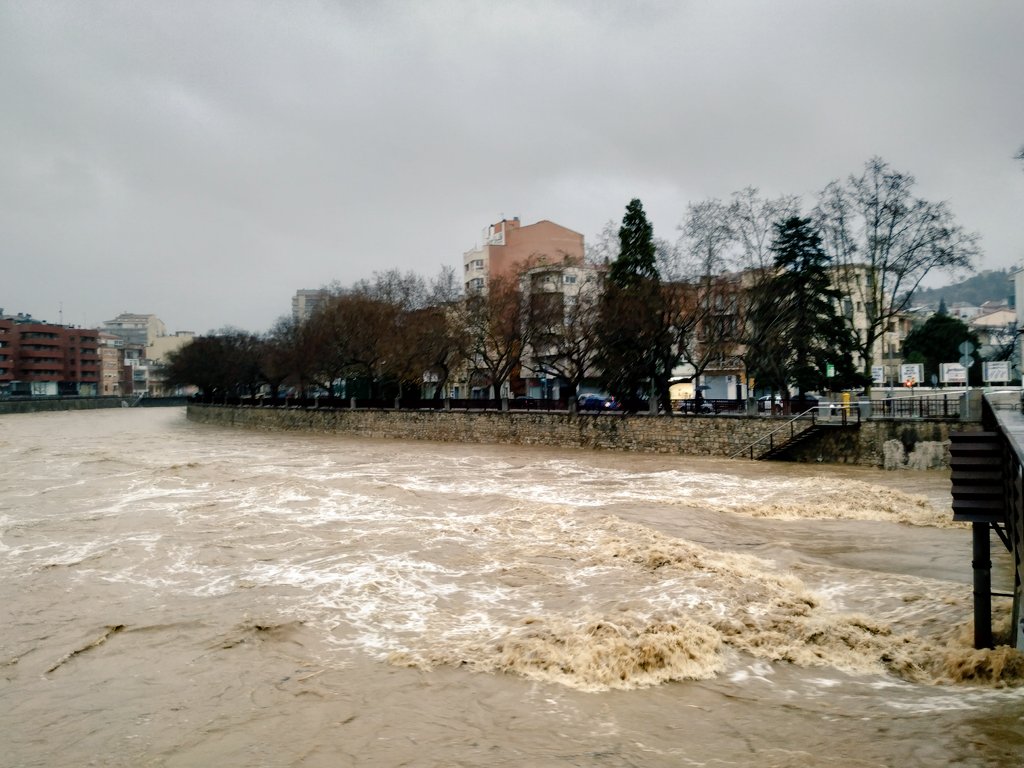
<point x="40" y="365"/>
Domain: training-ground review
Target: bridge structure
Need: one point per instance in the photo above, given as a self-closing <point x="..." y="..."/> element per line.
<point x="987" y="476"/>
<point x="986" y="459"/>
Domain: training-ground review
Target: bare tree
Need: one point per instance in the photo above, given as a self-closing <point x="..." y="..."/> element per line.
<point x="437" y="330"/>
<point x="222" y="363"/>
<point x="753" y="225"/>
<point x="1002" y="342"/>
<point x="324" y="353"/>
<point x="493" y="329"/>
<point x="705" y="303"/>
<point x="708" y="238"/>
<point x="280" y="356"/>
<point x="603" y="248"/>
<point x="408" y="291"/>
<point x="564" y="340"/>
<point x="883" y="241"/>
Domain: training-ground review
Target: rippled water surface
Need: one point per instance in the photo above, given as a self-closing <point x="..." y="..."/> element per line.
<point x="184" y="595"/>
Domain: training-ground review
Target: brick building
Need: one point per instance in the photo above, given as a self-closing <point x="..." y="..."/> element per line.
<point x="46" y="359"/>
<point x="508" y="248"/>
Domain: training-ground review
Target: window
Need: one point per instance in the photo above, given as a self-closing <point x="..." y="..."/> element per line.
<point x="569" y="279"/>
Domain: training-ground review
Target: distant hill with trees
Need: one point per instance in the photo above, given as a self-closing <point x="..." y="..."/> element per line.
<point x="989" y="285"/>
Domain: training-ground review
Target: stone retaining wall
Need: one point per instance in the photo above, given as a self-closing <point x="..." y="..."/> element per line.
<point x="891" y="444"/>
<point x="58" y="404"/>
<point x="37" y="404"/>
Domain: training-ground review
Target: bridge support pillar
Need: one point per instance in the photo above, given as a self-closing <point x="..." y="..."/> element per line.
<point x="982" y="563"/>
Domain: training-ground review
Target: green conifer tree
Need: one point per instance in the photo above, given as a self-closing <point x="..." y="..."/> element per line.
<point x="630" y="308"/>
<point x="812" y="332"/>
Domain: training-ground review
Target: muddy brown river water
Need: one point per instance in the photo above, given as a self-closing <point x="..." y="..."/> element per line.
<point x="178" y="594"/>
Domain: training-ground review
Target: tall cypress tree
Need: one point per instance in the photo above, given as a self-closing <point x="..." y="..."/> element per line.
<point x="630" y="309"/>
<point x="636" y="261"/>
<point x="811" y="330"/>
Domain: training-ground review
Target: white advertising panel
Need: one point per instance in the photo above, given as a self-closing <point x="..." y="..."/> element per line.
<point x="878" y="374"/>
<point x="952" y="373"/>
<point x="996" y="371"/>
<point x="912" y="374"/>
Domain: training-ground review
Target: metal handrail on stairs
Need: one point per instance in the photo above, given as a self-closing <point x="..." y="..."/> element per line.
<point x="769" y="437"/>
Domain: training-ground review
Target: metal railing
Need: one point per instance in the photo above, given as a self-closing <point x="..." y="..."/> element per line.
<point x="923" y="407"/>
<point x="917" y="407"/>
<point x="770" y="437"/>
<point x="332" y="402"/>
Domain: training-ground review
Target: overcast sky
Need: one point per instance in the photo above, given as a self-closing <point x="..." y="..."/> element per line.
<point x="203" y="160"/>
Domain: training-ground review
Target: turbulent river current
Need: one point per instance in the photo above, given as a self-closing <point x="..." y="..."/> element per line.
<point x="177" y="594"/>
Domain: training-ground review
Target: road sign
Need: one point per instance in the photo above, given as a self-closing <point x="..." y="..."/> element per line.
<point x="965" y="348"/>
<point x="967" y="361"/>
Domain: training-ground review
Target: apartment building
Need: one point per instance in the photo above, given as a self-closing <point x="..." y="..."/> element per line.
<point x="306" y="301"/>
<point x="112" y="370"/>
<point x="162" y="346"/>
<point x="136" y="329"/>
<point x="46" y="359"/>
<point x="563" y="295"/>
<point x="996" y="327"/>
<point x="142" y="342"/>
<point x="508" y="248"/>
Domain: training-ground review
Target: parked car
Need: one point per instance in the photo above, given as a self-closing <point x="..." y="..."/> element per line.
<point x="696" y="405"/>
<point x="595" y="402"/>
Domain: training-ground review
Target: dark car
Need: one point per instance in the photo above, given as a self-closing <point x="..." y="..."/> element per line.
<point x="696" y="405"/>
<point x="595" y="402"/>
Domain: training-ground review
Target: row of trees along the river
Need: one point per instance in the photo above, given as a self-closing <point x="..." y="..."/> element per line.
<point x="750" y="282"/>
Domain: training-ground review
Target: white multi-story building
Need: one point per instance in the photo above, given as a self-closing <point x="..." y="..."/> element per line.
<point x="136" y="329"/>
<point x="565" y="295"/>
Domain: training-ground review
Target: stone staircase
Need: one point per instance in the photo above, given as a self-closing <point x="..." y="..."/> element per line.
<point x="811" y="433"/>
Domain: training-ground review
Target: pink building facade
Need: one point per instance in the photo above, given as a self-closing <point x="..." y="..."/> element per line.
<point x="509" y="248"/>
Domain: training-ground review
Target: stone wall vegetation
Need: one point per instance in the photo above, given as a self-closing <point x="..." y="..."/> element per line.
<point x="888" y="444"/>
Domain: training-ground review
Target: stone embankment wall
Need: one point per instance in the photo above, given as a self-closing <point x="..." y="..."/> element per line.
<point x="58" y="404"/>
<point x="886" y="443"/>
<point x="34" y="405"/>
<point x="890" y="444"/>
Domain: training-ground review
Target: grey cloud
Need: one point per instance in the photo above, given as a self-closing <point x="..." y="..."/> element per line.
<point x="204" y="160"/>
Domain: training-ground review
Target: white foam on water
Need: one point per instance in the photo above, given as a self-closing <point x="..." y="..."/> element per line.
<point x="773" y="497"/>
<point x="520" y="576"/>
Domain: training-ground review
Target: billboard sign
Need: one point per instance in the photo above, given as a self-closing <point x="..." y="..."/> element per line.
<point x="952" y="373"/>
<point x="911" y="374"/>
<point x="996" y="371"/>
<point x="877" y="374"/>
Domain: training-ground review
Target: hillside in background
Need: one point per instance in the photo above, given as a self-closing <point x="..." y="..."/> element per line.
<point x="989" y="285"/>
